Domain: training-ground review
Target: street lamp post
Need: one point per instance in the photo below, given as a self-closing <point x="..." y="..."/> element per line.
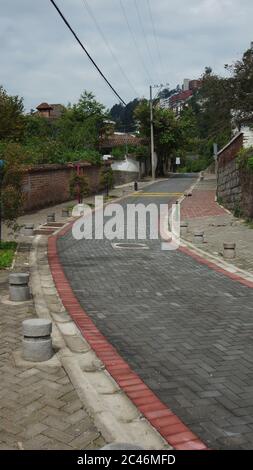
<point x="1" y="180"/>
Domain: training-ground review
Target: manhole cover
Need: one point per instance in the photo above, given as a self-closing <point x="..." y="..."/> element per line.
<point x="130" y="246"/>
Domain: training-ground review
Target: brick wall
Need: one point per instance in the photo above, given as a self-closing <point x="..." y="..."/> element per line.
<point x="46" y="185"/>
<point x="234" y="186"/>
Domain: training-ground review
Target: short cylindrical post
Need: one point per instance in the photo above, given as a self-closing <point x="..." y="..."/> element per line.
<point x="28" y="230"/>
<point x="18" y="287"/>
<point x="199" y="237"/>
<point x="136" y="185"/>
<point x="229" y="250"/>
<point x="184" y="227"/>
<point x="37" y="341"/>
<point x="65" y="212"/>
<point x="50" y="218"/>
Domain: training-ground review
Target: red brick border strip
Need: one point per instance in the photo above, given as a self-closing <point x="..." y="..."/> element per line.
<point x="215" y="267"/>
<point x="157" y="413"/>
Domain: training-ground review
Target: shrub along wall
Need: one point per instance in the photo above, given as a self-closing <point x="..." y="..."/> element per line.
<point x="46" y="185"/>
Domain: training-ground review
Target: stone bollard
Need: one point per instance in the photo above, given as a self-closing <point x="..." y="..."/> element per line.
<point x="199" y="237"/>
<point x="28" y="230"/>
<point x="123" y="446"/>
<point x="229" y="250"/>
<point x="184" y="228"/>
<point x="65" y="213"/>
<point x="37" y="341"/>
<point x="50" y="218"/>
<point x="18" y="287"/>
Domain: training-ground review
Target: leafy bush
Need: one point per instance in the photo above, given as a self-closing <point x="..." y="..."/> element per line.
<point x="7" y="251"/>
<point x="78" y="186"/>
<point x="245" y="158"/>
<point x="106" y="179"/>
<point x="194" y="166"/>
<point x="119" y="152"/>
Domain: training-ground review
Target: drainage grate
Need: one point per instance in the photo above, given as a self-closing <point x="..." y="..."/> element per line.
<point x="130" y="246"/>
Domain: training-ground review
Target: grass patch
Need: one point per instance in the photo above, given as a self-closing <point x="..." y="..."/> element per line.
<point x="7" y="251"/>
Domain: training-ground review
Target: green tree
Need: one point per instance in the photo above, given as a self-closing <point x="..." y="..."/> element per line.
<point x="11" y="116"/>
<point x="241" y="85"/>
<point x="106" y="179"/>
<point x="14" y="169"/>
<point x="80" y="125"/>
<point x="124" y="116"/>
<point x="78" y="186"/>
<point x="212" y="108"/>
<point x="168" y="135"/>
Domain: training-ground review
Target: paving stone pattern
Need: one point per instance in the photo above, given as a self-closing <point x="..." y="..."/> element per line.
<point x="185" y="329"/>
<point x="39" y="408"/>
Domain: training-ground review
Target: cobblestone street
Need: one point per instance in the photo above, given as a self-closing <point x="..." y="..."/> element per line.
<point x="185" y="329"/>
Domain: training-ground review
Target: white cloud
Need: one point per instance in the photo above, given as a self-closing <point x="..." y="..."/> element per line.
<point x="41" y="61"/>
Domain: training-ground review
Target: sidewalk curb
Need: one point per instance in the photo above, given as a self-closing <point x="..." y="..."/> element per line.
<point x="217" y="264"/>
<point x="153" y="411"/>
<point x="115" y="416"/>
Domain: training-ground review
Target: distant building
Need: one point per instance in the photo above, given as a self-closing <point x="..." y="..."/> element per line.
<point x="50" y="111"/>
<point x="179" y="100"/>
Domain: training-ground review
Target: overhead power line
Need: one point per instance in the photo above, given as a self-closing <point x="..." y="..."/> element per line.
<point x="155" y="38"/>
<point x="135" y="42"/>
<point x="86" y="52"/>
<point x="143" y="32"/>
<point x="89" y="9"/>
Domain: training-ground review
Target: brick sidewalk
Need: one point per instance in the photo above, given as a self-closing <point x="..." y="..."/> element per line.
<point x="202" y="202"/>
<point x="39" y="408"/>
<point x="219" y="226"/>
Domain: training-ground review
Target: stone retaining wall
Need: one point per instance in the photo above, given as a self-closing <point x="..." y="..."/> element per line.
<point x="229" y="189"/>
<point x="234" y="185"/>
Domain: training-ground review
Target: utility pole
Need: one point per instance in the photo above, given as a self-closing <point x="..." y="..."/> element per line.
<point x="152" y="127"/>
<point x="152" y="135"/>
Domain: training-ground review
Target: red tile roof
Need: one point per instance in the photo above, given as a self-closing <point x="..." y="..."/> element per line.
<point x="182" y="96"/>
<point x="44" y="106"/>
<point x="116" y="140"/>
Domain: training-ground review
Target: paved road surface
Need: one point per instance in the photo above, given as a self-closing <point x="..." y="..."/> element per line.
<point x="185" y="329"/>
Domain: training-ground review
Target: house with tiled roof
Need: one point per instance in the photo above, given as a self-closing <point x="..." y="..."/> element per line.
<point x="50" y="111"/>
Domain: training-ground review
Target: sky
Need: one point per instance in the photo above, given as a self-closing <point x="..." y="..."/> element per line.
<point x="135" y="43"/>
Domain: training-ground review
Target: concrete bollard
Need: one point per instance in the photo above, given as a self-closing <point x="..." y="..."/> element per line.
<point x="65" y="213"/>
<point x="184" y="228"/>
<point x="229" y="250"/>
<point x="37" y="341"/>
<point x="18" y="287"/>
<point x="199" y="237"/>
<point x="50" y="218"/>
<point x="123" y="446"/>
<point x="28" y="230"/>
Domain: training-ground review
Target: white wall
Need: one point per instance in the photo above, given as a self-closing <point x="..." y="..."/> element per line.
<point x="129" y="164"/>
<point x="247" y="137"/>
